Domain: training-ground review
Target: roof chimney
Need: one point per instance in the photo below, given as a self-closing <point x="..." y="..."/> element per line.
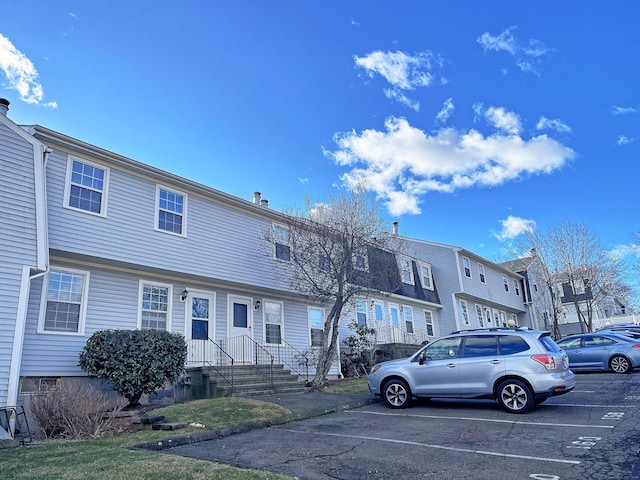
<point x="256" y="198"/>
<point x="4" y="106"/>
<point x="264" y="203"/>
<point x="395" y="228"/>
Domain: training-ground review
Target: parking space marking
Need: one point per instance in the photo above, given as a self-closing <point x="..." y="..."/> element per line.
<point x="586" y="405"/>
<point x="440" y="447"/>
<point x="491" y="420"/>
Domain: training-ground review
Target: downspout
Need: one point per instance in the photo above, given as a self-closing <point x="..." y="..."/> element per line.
<point x="18" y="337"/>
<point x="41" y="157"/>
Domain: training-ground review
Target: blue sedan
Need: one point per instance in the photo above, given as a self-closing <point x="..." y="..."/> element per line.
<point x="601" y="351"/>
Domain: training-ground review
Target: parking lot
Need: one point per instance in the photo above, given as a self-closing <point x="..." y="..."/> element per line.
<point x="590" y="433"/>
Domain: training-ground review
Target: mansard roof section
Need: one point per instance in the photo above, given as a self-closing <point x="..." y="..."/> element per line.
<point x="464" y="252"/>
<point x="78" y="147"/>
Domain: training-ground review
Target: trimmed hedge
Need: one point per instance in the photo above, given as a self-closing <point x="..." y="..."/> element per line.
<point x="134" y="361"/>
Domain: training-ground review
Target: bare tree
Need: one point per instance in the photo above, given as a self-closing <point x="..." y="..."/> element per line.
<point x="572" y="254"/>
<point x="337" y="250"/>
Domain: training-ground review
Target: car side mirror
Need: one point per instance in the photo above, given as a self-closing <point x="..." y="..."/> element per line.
<point x="422" y="358"/>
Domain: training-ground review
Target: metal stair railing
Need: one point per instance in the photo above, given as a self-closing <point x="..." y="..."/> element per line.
<point x="207" y="353"/>
<point x="286" y="354"/>
<point x="249" y="352"/>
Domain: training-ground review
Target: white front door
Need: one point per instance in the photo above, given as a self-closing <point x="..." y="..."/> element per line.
<point x="199" y="327"/>
<point x="240" y="311"/>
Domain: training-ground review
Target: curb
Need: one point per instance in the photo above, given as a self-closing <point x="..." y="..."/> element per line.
<point x="247" y="427"/>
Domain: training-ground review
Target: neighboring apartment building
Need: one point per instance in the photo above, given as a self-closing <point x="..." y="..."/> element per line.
<point x="92" y="240"/>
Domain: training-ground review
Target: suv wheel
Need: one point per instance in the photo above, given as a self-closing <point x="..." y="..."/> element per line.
<point x="396" y="394"/>
<point x="515" y="396"/>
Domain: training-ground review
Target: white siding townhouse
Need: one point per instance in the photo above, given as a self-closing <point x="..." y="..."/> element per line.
<point x="92" y="240"/>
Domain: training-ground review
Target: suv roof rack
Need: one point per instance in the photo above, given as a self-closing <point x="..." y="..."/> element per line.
<point x="494" y="329"/>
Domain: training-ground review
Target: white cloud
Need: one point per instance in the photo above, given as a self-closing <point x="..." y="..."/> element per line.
<point x="547" y="124"/>
<point x="528" y="57"/>
<point x="402" y="163"/>
<point x="615" y="110"/>
<point x="20" y="73"/>
<point x="514" y="226"/>
<point x="303" y="180"/>
<point x="403" y="72"/>
<point x="447" y="109"/>
<point x="624" y="140"/>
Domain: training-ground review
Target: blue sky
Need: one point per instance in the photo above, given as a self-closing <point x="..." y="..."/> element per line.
<point x="471" y="120"/>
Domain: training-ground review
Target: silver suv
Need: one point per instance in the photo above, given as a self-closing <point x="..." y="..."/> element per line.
<point x="517" y="367"/>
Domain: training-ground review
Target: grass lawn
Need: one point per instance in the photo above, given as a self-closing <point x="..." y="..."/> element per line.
<point x="112" y="458"/>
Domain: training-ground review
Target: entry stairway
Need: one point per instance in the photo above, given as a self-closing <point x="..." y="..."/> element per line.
<point x="238" y="381"/>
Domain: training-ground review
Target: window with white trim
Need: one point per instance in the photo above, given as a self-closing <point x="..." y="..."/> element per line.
<point x="361" y="311"/>
<point x="428" y="321"/>
<point x="516" y="287"/>
<point x="427" y="279"/>
<point x="408" y="318"/>
<point x="514" y="318"/>
<point x="86" y="186"/>
<point x="467" y="267"/>
<point x="464" y="311"/>
<point x="480" y="315"/>
<point x="378" y="310"/>
<point x="155" y="306"/>
<point x="483" y="279"/>
<point x="171" y="210"/>
<point x="316" y="326"/>
<point x="503" y="319"/>
<point x="360" y="260"/>
<point x="281" y="242"/>
<point x="272" y="312"/>
<point x="406" y="270"/>
<point x="65" y="303"/>
<point x="505" y="282"/>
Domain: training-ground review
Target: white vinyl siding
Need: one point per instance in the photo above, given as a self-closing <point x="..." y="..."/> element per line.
<point x="86" y="186"/>
<point x="64" y="304"/>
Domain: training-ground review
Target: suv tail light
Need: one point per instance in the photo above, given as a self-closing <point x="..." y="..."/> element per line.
<point x="546" y="360"/>
<point x="637" y="345"/>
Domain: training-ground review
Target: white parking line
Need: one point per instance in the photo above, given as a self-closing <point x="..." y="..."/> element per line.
<point x="441" y="447"/>
<point x="492" y="420"/>
<point x="586" y="405"/>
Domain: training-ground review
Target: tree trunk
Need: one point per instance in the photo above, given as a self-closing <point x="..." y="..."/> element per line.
<point x="328" y="354"/>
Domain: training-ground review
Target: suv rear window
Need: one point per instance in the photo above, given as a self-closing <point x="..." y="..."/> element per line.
<point x="511" y="344"/>
<point x="549" y="344"/>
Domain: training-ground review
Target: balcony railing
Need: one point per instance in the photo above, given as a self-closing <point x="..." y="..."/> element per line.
<point x="388" y="334"/>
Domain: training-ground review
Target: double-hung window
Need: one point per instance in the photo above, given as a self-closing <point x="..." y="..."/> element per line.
<point x="86" y="186"/>
<point x="516" y="287"/>
<point x="171" y="210"/>
<point x="316" y="322"/>
<point x="361" y="311"/>
<point x="467" y="267"/>
<point x="483" y="279"/>
<point x="406" y="269"/>
<point x="65" y="302"/>
<point x="282" y="242"/>
<point x="428" y="321"/>
<point x="464" y="311"/>
<point x="408" y="318"/>
<point x="272" y="322"/>
<point x="155" y="306"/>
<point x="359" y="259"/>
<point x="427" y="281"/>
<point x="505" y="281"/>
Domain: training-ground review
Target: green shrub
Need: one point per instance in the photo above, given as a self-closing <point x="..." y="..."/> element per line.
<point x="134" y="361"/>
